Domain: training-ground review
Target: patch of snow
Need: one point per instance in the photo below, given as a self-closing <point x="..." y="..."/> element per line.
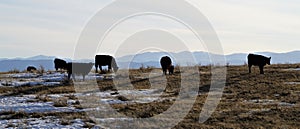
<point x="150" y="92"/>
<point x="112" y="101"/>
<point x="47" y="122"/>
<point x="292" y="69"/>
<point x="99" y="94"/>
<point x="134" y="96"/>
<point x="51" y="84"/>
<point x="259" y="110"/>
<point x="292" y="83"/>
<point x="24" y="75"/>
<point x="143" y="96"/>
<point x="297" y="69"/>
<point x="147" y="99"/>
<point x="30" y="83"/>
<point x="286" y="104"/>
<point x="263" y="101"/>
<point x="113" y="119"/>
<point x="53" y="79"/>
<point x="70" y="102"/>
<point x="77" y="123"/>
<point x="55" y="96"/>
<point x="269" y="102"/>
<point x="22" y="104"/>
<point x="276" y="95"/>
<point x="32" y="79"/>
<point x="93" y="76"/>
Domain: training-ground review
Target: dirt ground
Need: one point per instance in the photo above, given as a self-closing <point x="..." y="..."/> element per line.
<point x="251" y="100"/>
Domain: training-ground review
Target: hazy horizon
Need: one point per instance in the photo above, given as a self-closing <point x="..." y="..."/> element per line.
<point x="258" y="52"/>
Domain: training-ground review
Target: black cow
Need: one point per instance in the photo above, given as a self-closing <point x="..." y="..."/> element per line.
<point x="78" y="68"/>
<point x="60" y="64"/>
<point x="258" y="60"/>
<point x="105" y="60"/>
<point x="165" y="63"/>
<point x="31" y="68"/>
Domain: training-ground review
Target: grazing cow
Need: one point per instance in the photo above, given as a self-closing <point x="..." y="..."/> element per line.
<point x="78" y="68"/>
<point x="105" y="60"/>
<point x="31" y="68"/>
<point x="165" y="63"/>
<point x="60" y="64"/>
<point x="258" y="60"/>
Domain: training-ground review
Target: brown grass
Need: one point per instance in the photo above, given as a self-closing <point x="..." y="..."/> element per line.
<point x="14" y="91"/>
<point x="240" y="106"/>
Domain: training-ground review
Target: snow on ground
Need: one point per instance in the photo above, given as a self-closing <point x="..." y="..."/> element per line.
<point x="292" y="69"/>
<point x="292" y="83"/>
<point x="32" y="79"/>
<point x="45" y="123"/>
<point x="297" y="69"/>
<point x="269" y="102"/>
<point x="46" y="79"/>
<point x="142" y="96"/>
<point x="24" y="75"/>
<point x="134" y="96"/>
<point x="28" y="105"/>
<point x="31" y="104"/>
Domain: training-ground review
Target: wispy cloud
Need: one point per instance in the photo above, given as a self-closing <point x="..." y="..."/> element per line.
<point x="246" y="26"/>
<point x="52" y="27"/>
<point x="43" y="27"/>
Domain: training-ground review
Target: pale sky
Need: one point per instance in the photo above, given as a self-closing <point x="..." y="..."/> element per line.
<point x="35" y="27"/>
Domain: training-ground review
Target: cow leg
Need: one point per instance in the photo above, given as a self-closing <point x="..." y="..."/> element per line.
<point x="171" y="71"/>
<point x="69" y="76"/>
<point x="261" y="68"/>
<point x="96" y="68"/>
<point x="100" y="67"/>
<point x="83" y="77"/>
<point x="250" y="68"/>
<point x="165" y="71"/>
<point x="109" y="68"/>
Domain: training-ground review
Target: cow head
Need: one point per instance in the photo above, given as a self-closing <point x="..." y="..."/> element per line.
<point x="268" y="61"/>
<point x="116" y="69"/>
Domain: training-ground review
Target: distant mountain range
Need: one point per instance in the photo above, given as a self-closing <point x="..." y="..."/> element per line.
<point x="34" y="58"/>
<point x="151" y="59"/>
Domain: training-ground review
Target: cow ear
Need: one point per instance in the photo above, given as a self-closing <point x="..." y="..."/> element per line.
<point x="270" y="57"/>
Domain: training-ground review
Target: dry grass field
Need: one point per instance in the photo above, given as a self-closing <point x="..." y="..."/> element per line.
<point x="252" y="100"/>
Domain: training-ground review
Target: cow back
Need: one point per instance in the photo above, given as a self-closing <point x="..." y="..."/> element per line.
<point x="79" y="68"/>
<point x="106" y="60"/>
<point x="258" y="60"/>
<point x="59" y="63"/>
<point x="165" y="62"/>
<point x="103" y="60"/>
